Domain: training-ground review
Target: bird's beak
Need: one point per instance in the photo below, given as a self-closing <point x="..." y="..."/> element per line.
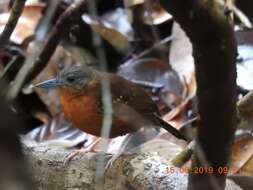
<point x="48" y="84"/>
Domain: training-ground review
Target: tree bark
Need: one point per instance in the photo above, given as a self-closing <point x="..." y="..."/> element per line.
<point x="214" y="50"/>
<point x="148" y="167"/>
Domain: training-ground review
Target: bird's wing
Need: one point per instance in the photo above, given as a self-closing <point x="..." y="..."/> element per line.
<point x="132" y="104"/>
<point x="127" y="93"/>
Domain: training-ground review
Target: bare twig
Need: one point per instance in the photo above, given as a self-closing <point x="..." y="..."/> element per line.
<point x="106" y="101"/>
<point x="7" y="67"/>
<point x="156" y="45"/>
<point x="45" y="24"/>
<point x="16" y="12"/>
<point x="32" y="68"/>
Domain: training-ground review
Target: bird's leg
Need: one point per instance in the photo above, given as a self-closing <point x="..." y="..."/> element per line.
<point x="130" y="143"/>
<point x="122" y="151"/>
<point x="73" y="154"/>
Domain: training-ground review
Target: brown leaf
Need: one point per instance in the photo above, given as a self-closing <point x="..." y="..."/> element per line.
<point x="181" y="59"/>
<point x="26" y="24"/>
<point x="242" y="151"/>
<point x="156" y="72"/>
<point x="247" y="168"/>
<point x="108" y="32"/>
<point x="156" y="14"/>
<point x="245" y="59"/>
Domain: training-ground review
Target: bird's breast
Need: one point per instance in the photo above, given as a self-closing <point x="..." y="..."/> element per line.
<point x="82" y="111"/>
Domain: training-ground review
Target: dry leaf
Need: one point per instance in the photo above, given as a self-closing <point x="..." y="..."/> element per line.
<point x="242" y="151"/>
<point x="156" y="72"/>
<point x="108" y="32"/>
<point x="247" y="168"/>
<point x="118" y="18"/>
<point x="27" y="22"/>
<point x="130" y="3"/>
<point x="245" y="59"/>
<point x="156" y="15"/>
<point x="181" y="59"/>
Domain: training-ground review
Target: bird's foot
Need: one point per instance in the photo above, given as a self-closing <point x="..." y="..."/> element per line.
<point x="121" y="152"/>
<point x="112" y="160"/>
<point x="74" y="153"/>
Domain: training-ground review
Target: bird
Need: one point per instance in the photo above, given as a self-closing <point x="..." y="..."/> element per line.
<point x="80" y="92"/>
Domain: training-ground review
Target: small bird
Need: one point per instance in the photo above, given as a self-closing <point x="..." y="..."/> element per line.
<point x="81" y="99"/>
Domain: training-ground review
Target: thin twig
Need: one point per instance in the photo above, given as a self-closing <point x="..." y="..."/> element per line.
<point x="8" y="66"/>
<point x="155" y="46"/>
<point x="45" y="24"/>
<point x="16" y="12"/>
<point x="106" y="101"/>
<point x="35" y="64"/>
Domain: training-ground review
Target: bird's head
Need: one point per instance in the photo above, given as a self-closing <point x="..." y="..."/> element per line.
<point x="75" y="77"/>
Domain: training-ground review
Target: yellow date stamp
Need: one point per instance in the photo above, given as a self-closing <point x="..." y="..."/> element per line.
<point x="201" y="170"/>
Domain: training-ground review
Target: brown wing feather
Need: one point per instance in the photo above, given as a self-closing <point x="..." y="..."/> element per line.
<point x="133" y="105"/>
<point x="130" y="94"/>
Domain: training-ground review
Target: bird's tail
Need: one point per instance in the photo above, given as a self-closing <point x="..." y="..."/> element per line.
<point x="170" y="128"/>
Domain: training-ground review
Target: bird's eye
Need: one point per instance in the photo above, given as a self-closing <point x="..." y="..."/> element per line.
<point x="70" y="79"/>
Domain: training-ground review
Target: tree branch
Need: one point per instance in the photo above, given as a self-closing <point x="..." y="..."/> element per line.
<point x="144" y="170"/>
<point x="214" y="51"/>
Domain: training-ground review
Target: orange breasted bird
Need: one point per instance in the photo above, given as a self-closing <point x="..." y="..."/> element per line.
<point x="81" y="99"/>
